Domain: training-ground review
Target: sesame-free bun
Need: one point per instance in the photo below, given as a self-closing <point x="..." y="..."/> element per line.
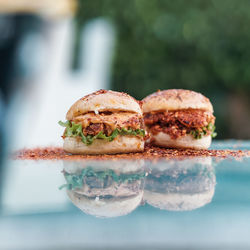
<point x="104" y="100"/>
<point x="106" y="208"/>
<point x="121" y="144"/>
<point x="175" y="99"/>
<point x="188" y="141"/>
<point x="180" y="185"/>
<point x="178" y="201"/>
<point x="124" y="166"/>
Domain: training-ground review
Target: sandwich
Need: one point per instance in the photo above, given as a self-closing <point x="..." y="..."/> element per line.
<point x="180" y="185"/>
<point x="104" y="189"/>
<point x="179" y="118"/>
<point x="104" y="122"/>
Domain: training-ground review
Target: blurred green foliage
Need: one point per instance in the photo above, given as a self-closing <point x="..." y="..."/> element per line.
<point x="196" y="44"/>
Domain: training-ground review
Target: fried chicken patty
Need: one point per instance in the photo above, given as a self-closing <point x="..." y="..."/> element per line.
<point x="180" y="122"/>
<point x="107" y="122"/>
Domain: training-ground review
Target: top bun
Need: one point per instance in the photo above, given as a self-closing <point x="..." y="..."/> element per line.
<point x="174" y="99"/>
<point x="104" y="100"/>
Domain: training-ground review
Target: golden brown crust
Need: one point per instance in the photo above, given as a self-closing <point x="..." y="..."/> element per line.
<point x="175" y="99"/>
<point x="104" y="100"/>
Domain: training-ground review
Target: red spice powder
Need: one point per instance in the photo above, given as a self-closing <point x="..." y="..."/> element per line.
<point x="150" y="153"/>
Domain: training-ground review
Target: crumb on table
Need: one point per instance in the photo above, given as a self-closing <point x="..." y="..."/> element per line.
<point x="150" y="153"/>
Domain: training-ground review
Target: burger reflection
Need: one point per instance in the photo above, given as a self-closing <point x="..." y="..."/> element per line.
<point x="105" y="189"/>
<point x="180" y="185"/>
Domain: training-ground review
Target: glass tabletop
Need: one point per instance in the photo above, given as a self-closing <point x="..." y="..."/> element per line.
<point x="188" y="203"/>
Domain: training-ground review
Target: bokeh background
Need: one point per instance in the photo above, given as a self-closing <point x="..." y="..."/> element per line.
<point x="54" y="52"/>
<point x="198" y="45"/>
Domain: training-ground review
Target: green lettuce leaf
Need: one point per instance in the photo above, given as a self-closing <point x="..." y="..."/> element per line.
<point x="76" y="180"/>
<point x="198" y="134"/>
<point x="74" y="130"/>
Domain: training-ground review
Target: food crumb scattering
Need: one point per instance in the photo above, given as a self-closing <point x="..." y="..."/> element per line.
<point x="150" y="153"/>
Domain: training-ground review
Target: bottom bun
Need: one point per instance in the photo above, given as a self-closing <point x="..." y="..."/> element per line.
<point x="187" y="141"/>
<point x="178" y="201"/>
<point x="121" y="144"/>
<point x="106" y="208"/>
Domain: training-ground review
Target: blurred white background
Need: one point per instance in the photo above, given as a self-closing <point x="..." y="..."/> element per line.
<point x="54" y="86"/>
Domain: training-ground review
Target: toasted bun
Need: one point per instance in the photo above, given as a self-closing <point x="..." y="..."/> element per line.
<point x="104" y="100"/>
<point x="174" y="99"/>
<point x="106" y="207"/>
<point x="188" y="141"/>
<point x="121" y="144"/>
<point x="178" y="201"/>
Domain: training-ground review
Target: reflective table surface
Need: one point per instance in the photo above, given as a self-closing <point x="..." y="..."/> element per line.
<point x="188" y="203"/>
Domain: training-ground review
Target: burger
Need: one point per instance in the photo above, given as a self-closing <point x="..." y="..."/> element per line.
<point x="104" y="122"/>
<point x="179" y="118"/>
<point x="104" y="189"/>
<point x="180" y="185"/>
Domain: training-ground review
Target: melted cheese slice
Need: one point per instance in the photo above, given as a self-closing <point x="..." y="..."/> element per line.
<point x="114" y="120"/>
